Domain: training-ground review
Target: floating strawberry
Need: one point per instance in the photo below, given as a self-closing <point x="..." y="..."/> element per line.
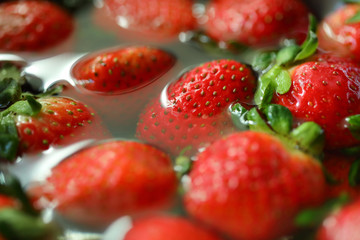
<point x="33" y="25"/>
<point x="103" y="182"/>
<point x="341" y="224"/>
<point x="339" y="32"/>
<point x="194" y="111"/>
<point x="250" y="185"/>
<point x="345" y="171"/>
<point x="158" y="227"/>
<point x="256" y="23"/>
<point x="122" y="70"/>
<point x="160" y="18"/>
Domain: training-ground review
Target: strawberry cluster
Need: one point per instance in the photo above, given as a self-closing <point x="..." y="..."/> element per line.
<point x="262" y="148"/>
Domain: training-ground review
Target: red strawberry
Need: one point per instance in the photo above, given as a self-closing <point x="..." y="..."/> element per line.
<point x="256" y="23"/>
<point x="339" y="166"/>
<point x="250" y="185"/>
<point x="194" y="112"/>
<point x="121" y="70"/>
<point x="342" y="224"/>
<point x="159" y="227"/>
<point x="103" y="182"/>
<point x="339" y="32"/>
<point x="6" y="201"/>
<point x="160" y="18"/>
<point x="325" y="90"/>
<point x="56" y="120"/>
<point x="33" y="25"/>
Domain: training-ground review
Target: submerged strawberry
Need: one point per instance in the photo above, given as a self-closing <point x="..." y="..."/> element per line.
<point x="339" y="32"/>
<point x="158" y="227"/>
<point x="122" y="70"/>
<point x="250" y="185"/>
<point x="33" y="25"/>
<point x="194" y="111"/>
<point x="103" y="182"/>
<point x="163" y="18"/>
<point x="341" y="224"/>
<point x="345" y="172"/>
<point x="256" y="23"/>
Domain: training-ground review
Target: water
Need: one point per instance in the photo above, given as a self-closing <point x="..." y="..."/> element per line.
<point x="95" y="31"/>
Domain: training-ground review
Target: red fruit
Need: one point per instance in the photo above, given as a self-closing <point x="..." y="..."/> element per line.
<point x="339" y="36"/>
<point x="342" y="224"/>
<point x="33" y="25"/>
<point x="163" y="18"/>
<point x="194" y="112"/>
<point x="325" y="90"/>
<point x="61" y="120"/>
<point x="250" y="186"/>
<point x="168" y="227"/>
<point x="338" y="166"/>
<point x="103" y="182"/>
<point x="256" y="23"/>
<point x="122" y="70"/>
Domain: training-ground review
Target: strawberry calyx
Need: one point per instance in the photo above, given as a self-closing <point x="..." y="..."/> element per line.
<point x="24" y="222"/>
<point x="356" y="17"/>
<point x="274" y="65"/>
<point x="354" y="173"/>
<point x="278" y="120"/>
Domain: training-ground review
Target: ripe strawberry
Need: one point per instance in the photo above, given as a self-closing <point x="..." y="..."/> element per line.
<point x="103" y="182"/>
<point x="33" y="25"/>
<point x="161" y="18"/>
<point x="195" y="109"/>
<point x="158" y="227"/>
<point x="342" y="224"/>
<point x="339" y="32"/>
<point x="256" y="23"/>
<point x="344" y="170"/>
<point x="250" y="185"/>
<point x="48" y="121"/>
<point x="116" y="71"/>
<point x="325" y="90"/>
<point x="6" y="201"/>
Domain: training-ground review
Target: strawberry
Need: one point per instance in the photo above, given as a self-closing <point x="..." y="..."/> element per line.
<point x="158" y="227"/>
<point x="256" y="23"/>
<point x="160" y="18"/>
<point x="103" y="182"/>
<point x="120" y="70"/>
<point x="341" y="224"/>
<point x="33" y="25"/>
<point x="194" y="112"/>
<point x="325" y="89"/>
<point x="250" y="185"/>
<point x="345" y="171"/>
<point x="35" y="125"/>
<point x="339" y="32"/>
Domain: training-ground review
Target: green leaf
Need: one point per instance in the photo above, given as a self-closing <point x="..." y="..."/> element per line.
<point x="354" y="19"/>
<point x="264" y="91"/>
<point x="287" y="54"/>
<point x="351" y="1"/>
<point x="238" y="115"/>
<point x="15" y="224"/>
<point x="309" y="46"/>
<point x="313" y="217"/>
<point x="354" y="173"/>
<point x="30" y="107"/>
<point x="256" y="121"/>
<point x="309" y="137"/>
<point x="282" y="81"/>
<point x="279" y="118"/>
<point x="9" y="140"/>
<point x="9" y="70"/>
<point x="263" y="60"/>
<point x="354" y="125"/>
<point x="10" y="92"/>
